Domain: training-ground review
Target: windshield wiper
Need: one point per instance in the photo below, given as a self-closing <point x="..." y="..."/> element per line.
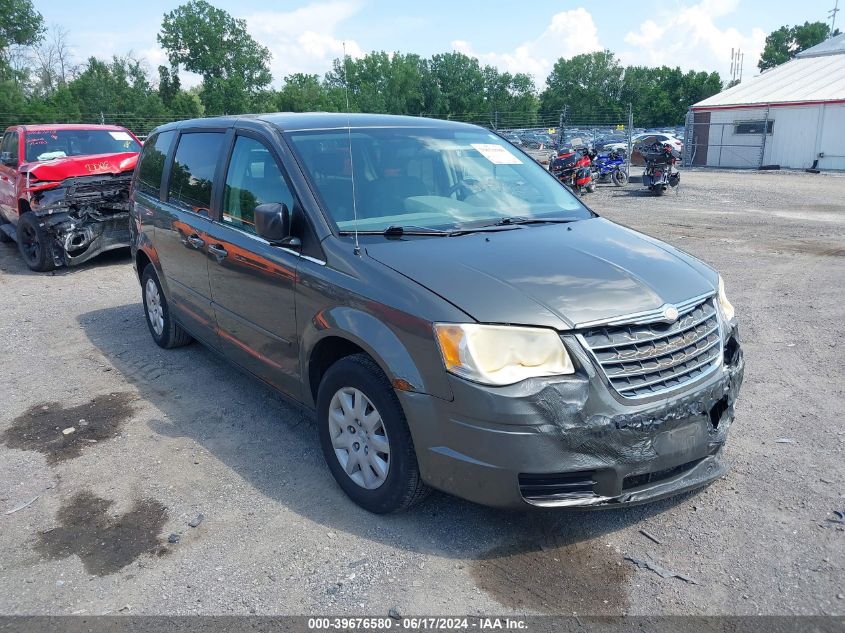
<point x="520" y="220"/>
<point x="398" y="231"/>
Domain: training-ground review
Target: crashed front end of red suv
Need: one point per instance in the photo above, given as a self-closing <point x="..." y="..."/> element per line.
<point x="83" y="203"/>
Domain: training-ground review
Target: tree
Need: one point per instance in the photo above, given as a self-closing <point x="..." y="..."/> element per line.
<point x="53" y="61"/>
<point x="302" y="93"/>
<point x="457" y="86"/>
<point x="589" y="84"/>
<point x="21" y="24"/>
<point x="786" y="42"/>
<point x="210" y="42"/>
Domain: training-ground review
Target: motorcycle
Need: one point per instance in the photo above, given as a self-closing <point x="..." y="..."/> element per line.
<point x="610" y="166"/>
<point x="660" y="171"/>
<point x="572" y="168"/>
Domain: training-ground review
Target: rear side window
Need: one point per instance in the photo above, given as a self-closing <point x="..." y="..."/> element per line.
<point x="191" y="178"/>
<point x="152" y="163"/>
<point x="10" y="146"/>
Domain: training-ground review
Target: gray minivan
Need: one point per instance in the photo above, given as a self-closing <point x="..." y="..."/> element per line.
<point x="456" y="317"/>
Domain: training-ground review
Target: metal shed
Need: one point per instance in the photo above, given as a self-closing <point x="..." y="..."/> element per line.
<point x="792" y="115"/>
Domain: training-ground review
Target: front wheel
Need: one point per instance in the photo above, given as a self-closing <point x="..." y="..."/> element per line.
<point x="619" y="178"/>
<point x="365" y="437"/>
<point x="34" y="244"/>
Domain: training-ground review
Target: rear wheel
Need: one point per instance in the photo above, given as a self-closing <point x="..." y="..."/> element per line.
<point x="165" y="331"/>
<point x="34" y="245"/>
<point x="365" y="437"/>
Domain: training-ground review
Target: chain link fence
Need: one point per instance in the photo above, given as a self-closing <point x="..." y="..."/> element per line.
<point x="721" y="138"/>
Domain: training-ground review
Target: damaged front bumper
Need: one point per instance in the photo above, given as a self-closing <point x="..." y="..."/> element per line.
<point x="573" y="442"/>
<point x="84" y="216"/>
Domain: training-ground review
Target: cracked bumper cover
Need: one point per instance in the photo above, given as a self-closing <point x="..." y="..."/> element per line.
<point x="574" y="438"/>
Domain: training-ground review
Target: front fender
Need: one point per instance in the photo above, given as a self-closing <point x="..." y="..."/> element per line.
<point x="387" y="340"/>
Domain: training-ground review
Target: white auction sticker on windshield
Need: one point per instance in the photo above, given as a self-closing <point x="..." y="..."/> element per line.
<point x="496" y="154"/>
<point x="120" y="136"/>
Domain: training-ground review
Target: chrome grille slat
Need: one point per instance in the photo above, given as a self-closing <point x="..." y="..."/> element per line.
<point x="640" y="360"/>
<point x="677" y="327"/>
<point x="686" y="370"/>
<point x="646" y="370"/>
<point x="644" y="354"/>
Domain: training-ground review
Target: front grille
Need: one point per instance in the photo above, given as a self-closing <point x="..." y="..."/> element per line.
<point x="635" y="481"/>
<point x="644" y="360"/>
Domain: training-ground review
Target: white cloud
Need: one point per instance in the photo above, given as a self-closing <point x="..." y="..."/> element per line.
<point x="304" y="40"/>
<point x="689" y="38"/>
<point x="569" y="33"/>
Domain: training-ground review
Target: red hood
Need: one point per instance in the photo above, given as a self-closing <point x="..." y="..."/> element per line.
<point x="73" y="166"/>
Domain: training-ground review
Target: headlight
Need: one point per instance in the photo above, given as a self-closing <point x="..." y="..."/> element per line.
<point x="724" y="304"/>
<point x="501" y="355"/>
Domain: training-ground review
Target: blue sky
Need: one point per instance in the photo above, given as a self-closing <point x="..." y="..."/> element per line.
<point x="515" y="36"/>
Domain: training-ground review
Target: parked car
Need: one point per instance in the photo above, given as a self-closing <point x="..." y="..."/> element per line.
<point x="64" y="191"/>
<point x="454" y="315"/>
<point x="511" y="138"/>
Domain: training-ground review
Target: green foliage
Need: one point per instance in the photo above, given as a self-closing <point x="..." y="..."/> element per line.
<point x="210" y="42"/>
<point x="205" y="40"/>
<point x="302" y="93"/>
<point x="786" y="42"/>
<point x="21" y="24"/>
<point x="590" y="84"/>
<point x="596" y="89"/>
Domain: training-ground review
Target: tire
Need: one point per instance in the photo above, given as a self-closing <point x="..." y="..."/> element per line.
<point x="34" y="245"/>
<point x="619" y="178"/>
<point x="4" y="239"/>
<point x="358" y="380"/>
<point x="164" y="330"/>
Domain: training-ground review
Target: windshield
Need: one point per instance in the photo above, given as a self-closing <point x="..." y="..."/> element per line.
<point x="51" y="144"/>
<point x="428" y="178"/>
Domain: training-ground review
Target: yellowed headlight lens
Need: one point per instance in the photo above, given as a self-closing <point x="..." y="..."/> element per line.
<point x="501" y="355"/>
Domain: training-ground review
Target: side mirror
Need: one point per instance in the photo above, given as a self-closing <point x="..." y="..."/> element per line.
<point x="8" y="159"/>
<point x="272" y="222"/>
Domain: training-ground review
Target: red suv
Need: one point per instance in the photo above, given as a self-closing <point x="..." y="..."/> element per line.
<point x="64" y="191"/>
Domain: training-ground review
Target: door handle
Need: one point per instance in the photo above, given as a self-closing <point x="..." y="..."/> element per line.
<point x="218" y="251"/>
<point x="194" y="241"/>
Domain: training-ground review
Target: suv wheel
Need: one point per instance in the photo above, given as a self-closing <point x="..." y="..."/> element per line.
<point x="365" y="438"/>
<point x="165" y="331"/>
<point x="34" y="245"/>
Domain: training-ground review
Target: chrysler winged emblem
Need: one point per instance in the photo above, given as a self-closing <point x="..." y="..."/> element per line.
<point x="670" y="313"/>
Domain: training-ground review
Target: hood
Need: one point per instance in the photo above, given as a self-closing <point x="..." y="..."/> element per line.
<point x="555" y="275"/>
<point x="75" y="166"/>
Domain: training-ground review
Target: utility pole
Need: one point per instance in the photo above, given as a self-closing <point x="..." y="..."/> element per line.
<point x="737" y="62"/>
<point x="560" y="124"/>
<point x="832" y="15"/>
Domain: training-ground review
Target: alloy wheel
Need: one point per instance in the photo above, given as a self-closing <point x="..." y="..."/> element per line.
<point x="155" y="311"/>
<point x="359" y="438"/>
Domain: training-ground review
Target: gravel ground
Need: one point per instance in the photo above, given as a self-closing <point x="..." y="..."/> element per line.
<point x="164" y="436"/>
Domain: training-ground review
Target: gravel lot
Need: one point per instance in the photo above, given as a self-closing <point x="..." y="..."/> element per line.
<point x="164" y="436"/>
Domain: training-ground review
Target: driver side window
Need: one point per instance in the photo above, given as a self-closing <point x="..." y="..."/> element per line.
<point x="253" y="178"/>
